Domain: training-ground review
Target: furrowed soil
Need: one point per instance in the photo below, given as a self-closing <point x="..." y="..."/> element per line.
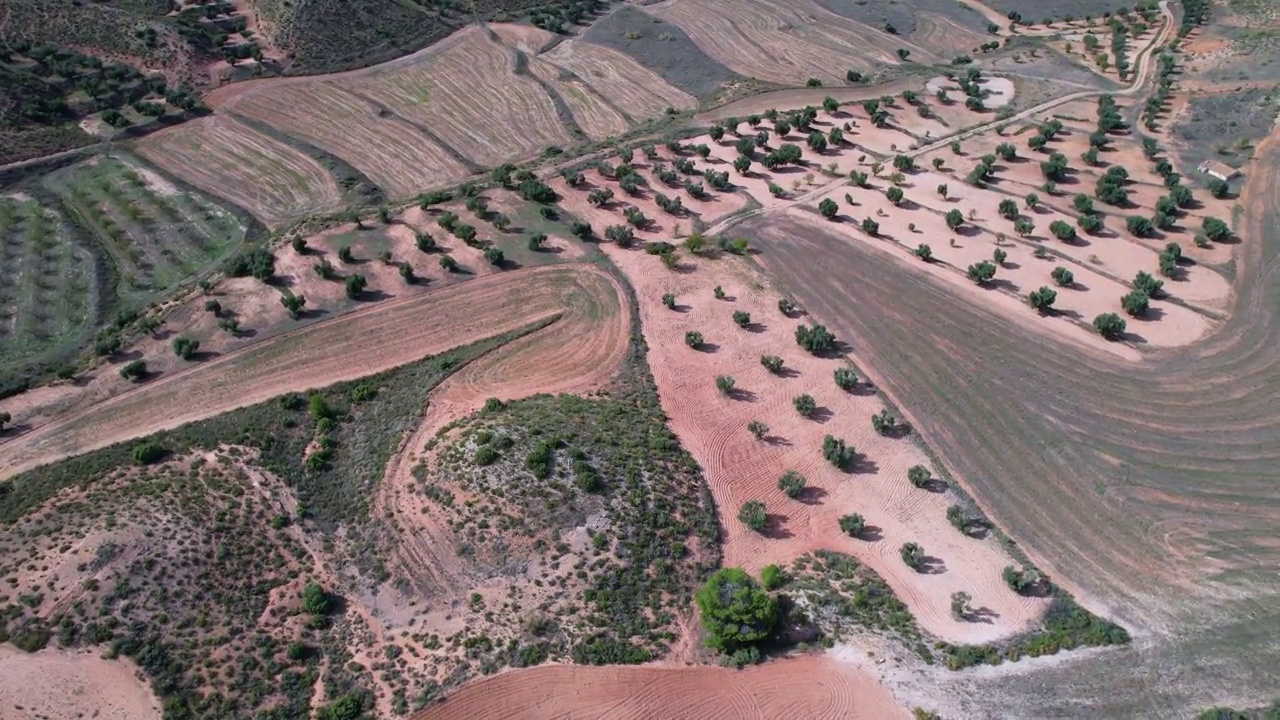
<point x="1147" y="488"/>
<point x="808" y="687"/>
<point x="383" y="336"/>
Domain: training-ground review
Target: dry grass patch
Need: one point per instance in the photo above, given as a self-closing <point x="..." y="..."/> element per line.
<point x="391" y="152"/>
<point x="784" y="44"/>
<point x="467" y="91"/>
<point x="225" y="158"/>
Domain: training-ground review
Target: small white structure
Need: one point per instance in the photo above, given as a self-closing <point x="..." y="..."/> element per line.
<point x="1213" y="168"/>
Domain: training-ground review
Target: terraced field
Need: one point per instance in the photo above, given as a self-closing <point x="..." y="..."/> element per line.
<point x="156" y="234"/>
<point x="638" y="91"/>
<point x="223" y="157"/>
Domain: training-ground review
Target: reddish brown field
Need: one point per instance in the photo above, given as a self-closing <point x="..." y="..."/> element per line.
<point x="805" y="687"/>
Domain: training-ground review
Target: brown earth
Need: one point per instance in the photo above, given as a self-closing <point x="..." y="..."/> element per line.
<point x="808" y="687"/>
<point x="785" y="44"/>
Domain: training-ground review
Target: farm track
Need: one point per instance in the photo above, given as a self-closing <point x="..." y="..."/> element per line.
<point x="379" y="337"/>
<point x="1150" y="489"/>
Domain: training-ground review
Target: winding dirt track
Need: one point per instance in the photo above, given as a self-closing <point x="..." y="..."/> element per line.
<point x="376" y="338"/>
<point x="803" y="687"/>
<point x="579" y="353"/>
<point x="1153" y="488"/>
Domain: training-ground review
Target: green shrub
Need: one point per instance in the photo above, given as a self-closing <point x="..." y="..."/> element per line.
<point x="149" y="453"/>
<point x="791" y="484"/>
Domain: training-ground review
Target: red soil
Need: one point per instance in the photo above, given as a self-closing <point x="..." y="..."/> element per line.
<point x="802" y="687"/>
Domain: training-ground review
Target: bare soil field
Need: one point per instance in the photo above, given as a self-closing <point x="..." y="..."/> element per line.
<point x="785" y="45"/>
<point x="460" y="315"/>
<point x="592" y="113"/>
<point x="63" y="685"/>
<point x="1136" y="504"/>
<point x="809" y="686"/>
<point x="579" y="354"/>
<point x="224" y="158"/>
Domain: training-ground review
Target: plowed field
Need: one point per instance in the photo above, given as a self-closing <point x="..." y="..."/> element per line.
<point x="805" y="687"/>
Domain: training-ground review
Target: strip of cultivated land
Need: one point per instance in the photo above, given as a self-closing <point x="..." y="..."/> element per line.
<point x="1153" y="484"/>
<point x="361" y="343"/>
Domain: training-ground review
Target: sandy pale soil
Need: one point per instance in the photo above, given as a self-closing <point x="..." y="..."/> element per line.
<point x="59" y="685"/>
<point x="802" y="687"/>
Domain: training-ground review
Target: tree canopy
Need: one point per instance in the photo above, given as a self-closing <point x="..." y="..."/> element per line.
<point x="735" y="611"/>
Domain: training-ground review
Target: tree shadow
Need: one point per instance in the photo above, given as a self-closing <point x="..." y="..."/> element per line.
<point x="931" y="565"/>
<point x="899" y="430"/>
<point x="1153" y="314"/>
<point x="871" y="533"/>
<point x="821" y="415"/>
<point x="755" y="327"/>
<point x="984" y="615"/>
<point x="775" y="527"/>
<point x="14" y="430"/>
<point x="709" y="348"/>
<point x="787" y="372"/>
<point x="776" y="440"/>
<point x="373" y="295"/>
<point x="862" y="465"/>
<point x="935" y="485"/>
<point x="742" y="395"/>
<point x="811" y="495"/>
<point x="1133" y="337"/>
<point x="1001" y="284"/>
